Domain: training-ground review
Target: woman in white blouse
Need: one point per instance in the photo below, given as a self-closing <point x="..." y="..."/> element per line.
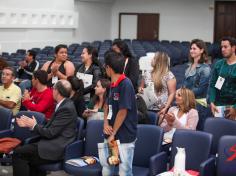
<point x="182" y="116"/>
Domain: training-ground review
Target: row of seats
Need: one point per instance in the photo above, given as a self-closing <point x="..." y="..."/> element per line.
<point x="178" y="51"/>
<point x="201" y="147"/>
<point x="148" y="158"/>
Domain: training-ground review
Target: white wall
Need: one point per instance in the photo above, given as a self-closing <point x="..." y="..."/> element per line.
<point x="94" y="21"/>
<point x="14" y="38"/>
<point x="179" y="19"/>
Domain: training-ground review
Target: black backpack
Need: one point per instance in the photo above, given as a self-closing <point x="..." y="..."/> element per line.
<point x="142" y="111"/>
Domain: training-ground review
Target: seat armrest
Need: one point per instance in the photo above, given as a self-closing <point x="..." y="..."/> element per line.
<point x="208" y="167"/>
<point x="74" y="150"/>
<point x="158" y="163"/>
<point x="6" y="133"/>
<point x="32" y="139"/>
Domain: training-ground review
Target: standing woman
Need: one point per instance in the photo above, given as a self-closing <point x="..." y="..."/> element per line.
<point x="90" y="65"/>
<point x="197" y="74"/>
<point x="60" y="67"/>
<point x="197" y="77"/>
<point x="131" y="68"/>
<point x="162" y="82"/>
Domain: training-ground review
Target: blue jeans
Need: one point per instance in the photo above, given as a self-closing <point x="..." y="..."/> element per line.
<point x="125" y="167"/>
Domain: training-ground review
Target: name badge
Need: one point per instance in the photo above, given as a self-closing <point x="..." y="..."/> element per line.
<point x="109" y="116"/>
<point x="54" y="79"/>
<point x="219" y="83"/>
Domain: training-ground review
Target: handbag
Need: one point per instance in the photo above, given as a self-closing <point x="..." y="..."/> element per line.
<point x="7" y="144"/>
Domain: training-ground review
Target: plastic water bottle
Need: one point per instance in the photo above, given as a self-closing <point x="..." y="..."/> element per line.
<point x="179" y="165"/>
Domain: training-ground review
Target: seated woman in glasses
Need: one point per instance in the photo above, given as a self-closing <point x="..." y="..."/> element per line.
<point x="182" y="116"/>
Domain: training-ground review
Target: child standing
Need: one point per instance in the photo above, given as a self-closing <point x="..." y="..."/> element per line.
<point x="120" y="114"/>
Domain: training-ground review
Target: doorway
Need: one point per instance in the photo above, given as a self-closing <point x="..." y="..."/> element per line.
<point x="225" y="19"/>
<point x="142" y="26"/>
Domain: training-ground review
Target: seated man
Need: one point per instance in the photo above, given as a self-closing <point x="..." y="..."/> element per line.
<point x="10" y="94"/>
<point x="26" y="69"/>
<point x="40" y="98"/>
<point x="55" y="135"/>
<point x="3" y="63"/>
<point x="28" y="66"/>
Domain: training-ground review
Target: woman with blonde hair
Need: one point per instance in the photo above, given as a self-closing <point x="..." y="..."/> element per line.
<point x="182" y="116"/>
<point x="162" y="83"/>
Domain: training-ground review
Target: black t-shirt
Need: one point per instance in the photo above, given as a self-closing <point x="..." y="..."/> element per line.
<point x="122" y="96"/>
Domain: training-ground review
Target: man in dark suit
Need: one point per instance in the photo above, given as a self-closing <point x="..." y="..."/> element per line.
<point x="55" y="135"/>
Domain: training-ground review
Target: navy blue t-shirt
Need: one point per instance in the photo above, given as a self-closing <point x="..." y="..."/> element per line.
<point x="122" y="96"/>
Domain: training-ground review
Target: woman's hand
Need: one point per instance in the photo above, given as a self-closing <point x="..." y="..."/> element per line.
<point x="54" y="69"/>
<point x="93" y="110"/>
<point x="163" y="111"/>
<point x="170" y="118"/>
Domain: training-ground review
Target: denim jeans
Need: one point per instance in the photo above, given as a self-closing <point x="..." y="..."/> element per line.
<point x="125" y="167"/>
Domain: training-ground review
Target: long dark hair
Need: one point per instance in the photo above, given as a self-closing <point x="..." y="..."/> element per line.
<point x="94" y="52"/>
<point x="105" y="84"/>
<point x="77" y="85"/>
<point x="123" y="48"/>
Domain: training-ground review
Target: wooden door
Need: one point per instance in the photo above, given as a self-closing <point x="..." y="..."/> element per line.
<point x="148" y="27"/>
<point x="225" y="19"/>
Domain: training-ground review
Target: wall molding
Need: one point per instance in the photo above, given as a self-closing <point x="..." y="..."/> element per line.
<point x="18" y="18"/>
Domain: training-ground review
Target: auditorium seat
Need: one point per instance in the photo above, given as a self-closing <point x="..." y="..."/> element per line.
<point x="219" y="127"/>
<point x="197" y="146"/>
<point x="6" y="117"/>
<point x="224" y="164"/>
<point x="21" y="51"/>
<point x="59" y="165"/>
<point x="147" y="147"/>
<point x="23" y="134"/>
<point x="87" y="147"/>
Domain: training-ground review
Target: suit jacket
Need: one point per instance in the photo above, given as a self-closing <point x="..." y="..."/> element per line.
<point x="58" y="132"/>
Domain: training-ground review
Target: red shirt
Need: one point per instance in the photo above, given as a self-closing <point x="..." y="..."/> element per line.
<point x="41" y="102"/>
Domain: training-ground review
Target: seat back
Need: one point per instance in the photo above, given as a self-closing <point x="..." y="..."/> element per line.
<point x="24" y="133"/>
<point x="94" y="135"/>
<point x="149" y="141"/>
<point x="219" y="127"/>
<point x="153" y="117"/>
<point x="80" y="126"/>
<point x="6" y="117"/>
<point x="226" y="161"/>
<point x="197" y="146"/>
